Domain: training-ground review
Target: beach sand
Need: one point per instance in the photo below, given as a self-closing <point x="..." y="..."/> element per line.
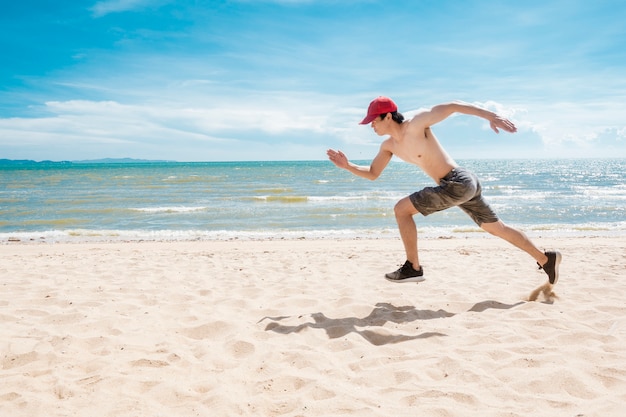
<point x="310" y="328"/>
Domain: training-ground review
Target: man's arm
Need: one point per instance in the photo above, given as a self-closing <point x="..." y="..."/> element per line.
<point x="443" y="111"/>
<point x="372" y="172"/>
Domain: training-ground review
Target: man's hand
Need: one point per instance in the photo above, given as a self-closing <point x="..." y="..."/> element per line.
<point x="502" y="123"/>
<point x="338" y="158"/>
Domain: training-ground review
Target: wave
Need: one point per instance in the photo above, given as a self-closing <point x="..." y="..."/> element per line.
<point x="273" y="190"/>
<point x="54" y="222"/>
<point x="174" y="179"/>
<point x="282" y="198"/>
<point x="180" y="209"/>
<point x="324" y="199"/>
<point x="88" y="235"/>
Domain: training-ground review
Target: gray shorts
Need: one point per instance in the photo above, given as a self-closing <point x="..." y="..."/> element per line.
<point x="459" y="188"/>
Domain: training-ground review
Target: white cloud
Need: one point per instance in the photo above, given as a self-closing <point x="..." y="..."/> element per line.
<point x="578" y="124"/>
<point x="300" y="125"/>
<point x="85" y="129"/>
<point x="80" y="122"/>
<point x="102" y="8"/>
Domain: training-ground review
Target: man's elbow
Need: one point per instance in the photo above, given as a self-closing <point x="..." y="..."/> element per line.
<point x="446" y="109"/>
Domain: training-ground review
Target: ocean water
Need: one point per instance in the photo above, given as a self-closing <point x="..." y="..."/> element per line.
<point x="305" y="199"/>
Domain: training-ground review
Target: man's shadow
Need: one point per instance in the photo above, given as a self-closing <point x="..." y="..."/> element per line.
<point x="380" y="315"/>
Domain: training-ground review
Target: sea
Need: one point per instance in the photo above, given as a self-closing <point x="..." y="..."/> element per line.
<point x="51" y="202"/>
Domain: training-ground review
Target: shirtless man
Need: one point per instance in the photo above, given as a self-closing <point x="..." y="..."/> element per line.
<point x="414" y="142"/>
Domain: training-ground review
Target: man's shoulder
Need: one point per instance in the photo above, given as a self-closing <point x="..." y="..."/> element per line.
<point x="420" y="119"/>
<point x="386" y="145"/>
<point x="417" y="125"/>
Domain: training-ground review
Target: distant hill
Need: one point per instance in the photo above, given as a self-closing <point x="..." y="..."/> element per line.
<point x="90" y="161"/>
<point x="29" y="162"/>
<point x="118" y="161"/>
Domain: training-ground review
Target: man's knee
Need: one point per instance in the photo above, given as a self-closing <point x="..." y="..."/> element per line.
<point x="495" y="228"/>
<point x="404" y="207"/>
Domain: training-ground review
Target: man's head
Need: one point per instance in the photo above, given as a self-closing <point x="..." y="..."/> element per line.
<point x="379" y="106"/>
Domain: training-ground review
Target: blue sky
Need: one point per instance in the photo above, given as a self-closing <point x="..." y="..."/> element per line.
<point x="280" y="80"/>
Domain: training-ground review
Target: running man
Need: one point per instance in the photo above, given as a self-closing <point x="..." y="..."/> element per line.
<point x="414" y="142"/>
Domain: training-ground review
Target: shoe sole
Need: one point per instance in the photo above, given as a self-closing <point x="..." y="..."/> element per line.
<point x="401" y="281"/>
<point x="557" y="261"/>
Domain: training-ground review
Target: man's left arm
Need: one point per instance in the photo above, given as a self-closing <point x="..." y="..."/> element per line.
<point x="443" y="111"/>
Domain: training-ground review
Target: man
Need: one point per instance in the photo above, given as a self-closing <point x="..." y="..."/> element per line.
<point x="414" y="142"/>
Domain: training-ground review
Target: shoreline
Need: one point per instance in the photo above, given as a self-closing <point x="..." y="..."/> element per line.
<point x="460" y="232"/>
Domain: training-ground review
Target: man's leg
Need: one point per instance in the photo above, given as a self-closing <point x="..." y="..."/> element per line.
<point x="548" y="261"/>
<point x="404" y="211"/>
<point x="515" y="237"/>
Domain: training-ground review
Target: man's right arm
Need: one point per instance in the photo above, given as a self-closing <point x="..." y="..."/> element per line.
<point x="371" y="172"/>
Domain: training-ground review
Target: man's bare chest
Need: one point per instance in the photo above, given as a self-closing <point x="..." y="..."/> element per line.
<point x="412" y="149"/>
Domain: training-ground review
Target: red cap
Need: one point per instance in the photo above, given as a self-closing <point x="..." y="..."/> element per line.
<point x="378" y="106"/>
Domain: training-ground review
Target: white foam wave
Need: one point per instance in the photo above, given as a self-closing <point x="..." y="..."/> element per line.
<point x="180" y="209"/>
<point x="97" y="236"/>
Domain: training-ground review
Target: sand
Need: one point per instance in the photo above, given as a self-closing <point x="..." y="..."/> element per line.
<point x="310" y="328"/>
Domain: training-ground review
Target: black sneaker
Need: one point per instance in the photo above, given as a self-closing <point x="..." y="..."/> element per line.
<point x="552" y="266"/>
<point x="406" y="273"/>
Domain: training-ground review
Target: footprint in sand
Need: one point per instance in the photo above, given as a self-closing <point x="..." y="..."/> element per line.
<point x="149" y="363"/>
<point x="16" y="361"/>
<point x="241" y="349"/>
<point x="206" y="331"/>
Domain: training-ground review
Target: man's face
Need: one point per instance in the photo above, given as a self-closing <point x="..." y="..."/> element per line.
<point x="380" y="126"/>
